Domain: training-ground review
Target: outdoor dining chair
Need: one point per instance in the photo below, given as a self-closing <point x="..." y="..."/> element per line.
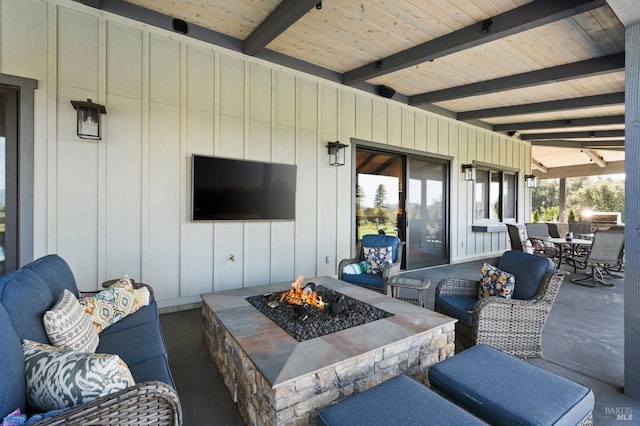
<point x="605" y="255"/>
<point x="536" y="233"/>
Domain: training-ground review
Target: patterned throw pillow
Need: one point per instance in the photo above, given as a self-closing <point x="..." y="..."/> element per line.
<point x="494" y="282"/>
<point x="68" y="325"/>
<point x="112" y="304"/>
<point x="377" y="258"/>
<point x="62" y="378"/>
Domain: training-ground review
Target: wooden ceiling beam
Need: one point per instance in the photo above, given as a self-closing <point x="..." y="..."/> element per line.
<point x="523" y="18"/>
<point x="538" y="165"/>
<point x="554" y="124"/>
<point x="619" y="134"/>
<point x="287" y="13"/>
<point x="613" y="145"/>
<point x="549" y="106"/>
<point x="581" y="69"/>
<point x="595" y="157"/>
<point x="581" y="170"/>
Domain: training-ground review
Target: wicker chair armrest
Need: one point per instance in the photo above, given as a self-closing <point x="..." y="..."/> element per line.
<point x="148" y="403"/>
<point x="345" y="262"/>
<point x="459" y="287"/>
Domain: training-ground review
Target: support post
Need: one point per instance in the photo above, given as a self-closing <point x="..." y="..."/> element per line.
<point x="632" y="218"/>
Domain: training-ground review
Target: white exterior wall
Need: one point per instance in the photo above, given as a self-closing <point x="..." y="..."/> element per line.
<point x="122" y="204"/>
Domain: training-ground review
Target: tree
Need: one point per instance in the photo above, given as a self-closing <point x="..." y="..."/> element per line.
<point x="536" y="216"/>
<point x="603" y="194"/>
<point x="545" y="194"/>
<point x="381" y="195"/>
<point x="584" y="193"/>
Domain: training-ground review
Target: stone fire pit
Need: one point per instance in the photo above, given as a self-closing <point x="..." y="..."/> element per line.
<point x="276" y="380"/>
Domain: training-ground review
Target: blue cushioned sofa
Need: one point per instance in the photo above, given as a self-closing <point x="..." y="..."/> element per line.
<point x="26" y="294"/>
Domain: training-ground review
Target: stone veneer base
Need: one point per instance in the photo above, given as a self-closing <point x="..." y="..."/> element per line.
<point x="276" y="380"/>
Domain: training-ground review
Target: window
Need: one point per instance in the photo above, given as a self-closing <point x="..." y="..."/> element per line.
<point x="495" y="195"/>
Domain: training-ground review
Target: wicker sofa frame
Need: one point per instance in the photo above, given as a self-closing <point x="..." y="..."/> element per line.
<point x="148" y="403"/>
<point x="526" y="318"/>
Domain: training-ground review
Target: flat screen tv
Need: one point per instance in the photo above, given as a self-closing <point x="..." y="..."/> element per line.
<point x="228" y="189"/>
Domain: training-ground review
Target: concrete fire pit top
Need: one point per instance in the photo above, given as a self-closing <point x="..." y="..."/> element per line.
<point x="280" y="358"/>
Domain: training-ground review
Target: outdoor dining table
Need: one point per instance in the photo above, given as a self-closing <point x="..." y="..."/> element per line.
<point x="562" y="243"/>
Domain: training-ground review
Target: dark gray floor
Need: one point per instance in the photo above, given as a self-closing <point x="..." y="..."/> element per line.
<point x="583" y="341"/>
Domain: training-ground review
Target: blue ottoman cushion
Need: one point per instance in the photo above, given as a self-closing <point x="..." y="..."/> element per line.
<point x="400" y="401"/>
<point x="504" y="390"/>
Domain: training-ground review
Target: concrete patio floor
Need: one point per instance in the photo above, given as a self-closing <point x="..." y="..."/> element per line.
<point x="583" y="341"/>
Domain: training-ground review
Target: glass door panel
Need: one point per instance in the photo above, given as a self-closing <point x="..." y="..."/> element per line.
<point x="379" y="181"/>
<point x="427" y="235"/>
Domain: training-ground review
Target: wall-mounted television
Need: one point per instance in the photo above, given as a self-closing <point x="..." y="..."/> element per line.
<point x="230" y="189"/>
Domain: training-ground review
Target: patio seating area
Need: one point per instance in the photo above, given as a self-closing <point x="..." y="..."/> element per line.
<point x="582" y="341"/>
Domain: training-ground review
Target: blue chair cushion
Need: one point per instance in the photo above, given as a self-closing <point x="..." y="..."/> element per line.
<point x="504" y="390"/>
<point x="398" y="401"/>
<point x="528" y="270"/>
<point x="458" y="307"/>
<point x="55" y="271"/>
<point x="13" y="386"/>
<point x="371" y="280"/>
<point x="374" y="240"/>
<point x="26" y="297"/>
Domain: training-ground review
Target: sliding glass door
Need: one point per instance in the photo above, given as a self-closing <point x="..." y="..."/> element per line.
<point x="404" y="195"/>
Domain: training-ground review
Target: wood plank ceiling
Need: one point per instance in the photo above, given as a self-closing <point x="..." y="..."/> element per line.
<point x="548" y="71"/>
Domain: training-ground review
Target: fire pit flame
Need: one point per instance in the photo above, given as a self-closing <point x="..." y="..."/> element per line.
<point x="303" y="295"/>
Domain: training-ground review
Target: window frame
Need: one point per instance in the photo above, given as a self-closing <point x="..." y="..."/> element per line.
<point x="489" y="171"/>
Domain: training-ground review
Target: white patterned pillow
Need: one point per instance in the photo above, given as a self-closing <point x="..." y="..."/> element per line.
<point x="112" y="304"/>
<point x="63" y="378"/>
<point x="68" y="325"/>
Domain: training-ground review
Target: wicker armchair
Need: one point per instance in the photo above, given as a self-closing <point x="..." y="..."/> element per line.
<point x="377" y="282"/>
<point x="511" y="325"/>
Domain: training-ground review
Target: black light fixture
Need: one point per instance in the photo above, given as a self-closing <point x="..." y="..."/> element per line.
<point x="531" y="180"/>
<point x="88" y="119"/>
<point x="486" y="25"/>
<point x="468" y="172"/>
<point x="336" y="153"/>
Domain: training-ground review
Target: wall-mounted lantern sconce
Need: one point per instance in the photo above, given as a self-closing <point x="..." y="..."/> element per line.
<point x="468" y="172"/>
<point x="336" y="153"/>
<point x="88" y="119"/>
<point x="532" y="181"/>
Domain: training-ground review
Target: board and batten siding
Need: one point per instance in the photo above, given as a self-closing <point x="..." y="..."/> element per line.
<point x="122" y="205"/>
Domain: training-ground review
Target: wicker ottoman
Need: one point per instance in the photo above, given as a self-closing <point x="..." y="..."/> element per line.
<point x="400" y="401"/>
<point x="504" y="390"/>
